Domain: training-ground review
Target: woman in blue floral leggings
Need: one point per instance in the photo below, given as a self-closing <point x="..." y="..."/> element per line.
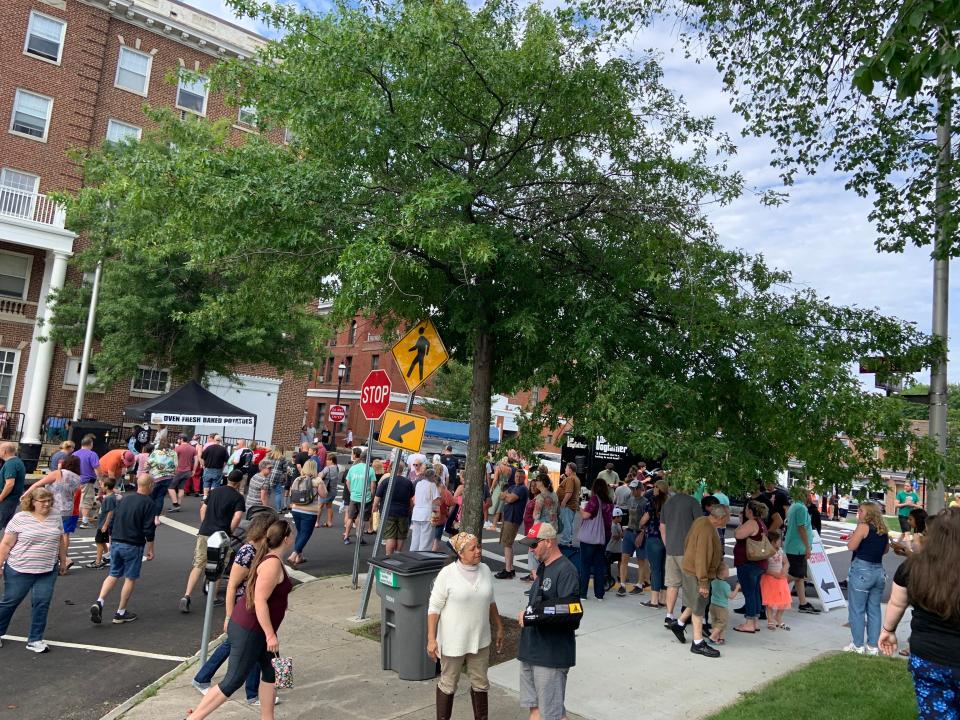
<point x="927" y="581"/>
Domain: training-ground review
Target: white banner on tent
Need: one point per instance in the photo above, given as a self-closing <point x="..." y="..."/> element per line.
<point x="180" y="419"/>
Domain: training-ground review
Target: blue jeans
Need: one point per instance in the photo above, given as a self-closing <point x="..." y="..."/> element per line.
<point x="657" y="555"/>
<point x="16" y="585"/>
<point x="565" y="532"/>
<point x="125" y="560"/>
<point x="594" y="562"/>
<point x="278" y="496"/>
<point x="205" y="674"/>
<point x="865" y="583"/>
<point x="159" y="493"/>
<point x="748" y="575"/>
<point x="212" y="478"/>
<point x="305" y="523"/>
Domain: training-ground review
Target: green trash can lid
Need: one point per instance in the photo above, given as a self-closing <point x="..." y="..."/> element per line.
<point x="412" y="563"/>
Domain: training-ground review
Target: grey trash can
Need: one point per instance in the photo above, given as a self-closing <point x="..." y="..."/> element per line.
<point x="403" y="582"/>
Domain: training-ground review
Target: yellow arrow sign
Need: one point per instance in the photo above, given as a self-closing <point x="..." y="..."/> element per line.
<point x="419" y="354"/>
<point x="402" y="430"/>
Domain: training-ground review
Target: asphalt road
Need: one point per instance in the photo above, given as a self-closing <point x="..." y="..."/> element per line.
<point x="106" y="664"/>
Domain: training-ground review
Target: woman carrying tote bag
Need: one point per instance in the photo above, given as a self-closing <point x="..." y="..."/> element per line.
<point x="594" y="535"/>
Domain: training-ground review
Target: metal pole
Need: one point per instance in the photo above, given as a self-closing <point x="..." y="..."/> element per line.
<point x="87" y="343"/>
<point x="941" y="287"/>
<point x="207" y="619"/>
<point x="363" y="509"/>
<point x="384" y="510"/>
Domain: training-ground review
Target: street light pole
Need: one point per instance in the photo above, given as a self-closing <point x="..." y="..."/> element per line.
<point x="341" y="371"/>
<point x="941" y="287"/>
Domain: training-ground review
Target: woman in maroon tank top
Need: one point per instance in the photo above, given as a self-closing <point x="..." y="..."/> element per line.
<point x="253" y="626"/>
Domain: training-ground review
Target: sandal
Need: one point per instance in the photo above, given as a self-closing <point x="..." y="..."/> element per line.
<point x="783" y="626"/>
<point x="772" y="626"/>
<point x="650" y="604"/>
<point x="740" y="629"/>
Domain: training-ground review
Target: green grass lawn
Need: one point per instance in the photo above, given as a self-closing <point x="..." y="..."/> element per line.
<point x="891" y="520"/>
<point x="852" y="687"/>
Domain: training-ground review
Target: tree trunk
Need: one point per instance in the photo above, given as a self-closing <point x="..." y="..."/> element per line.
<point x="479" y="441"/>
<point x="198" y="371"/>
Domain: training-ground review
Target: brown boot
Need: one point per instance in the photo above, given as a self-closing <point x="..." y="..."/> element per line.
<point x="444" y="705"/>
<point x="479" y="700"/>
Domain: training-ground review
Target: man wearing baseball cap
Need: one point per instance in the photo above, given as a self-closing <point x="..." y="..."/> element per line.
<point x="548" y="650"/>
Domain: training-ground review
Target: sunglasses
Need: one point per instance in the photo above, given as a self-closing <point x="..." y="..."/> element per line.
<point x="534" y="544"/>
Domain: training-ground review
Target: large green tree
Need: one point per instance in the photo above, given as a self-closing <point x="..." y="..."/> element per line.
<point x="178" y="290"/>
<point x="499" y="170"/>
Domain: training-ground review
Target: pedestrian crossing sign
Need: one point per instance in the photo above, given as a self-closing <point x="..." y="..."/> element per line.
<point x="419" y="354"/>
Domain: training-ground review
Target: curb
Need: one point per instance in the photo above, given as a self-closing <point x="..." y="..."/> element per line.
<point x="132" y="702"/>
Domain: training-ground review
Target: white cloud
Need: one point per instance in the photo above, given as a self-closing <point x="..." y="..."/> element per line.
<point x="822" y="235"/>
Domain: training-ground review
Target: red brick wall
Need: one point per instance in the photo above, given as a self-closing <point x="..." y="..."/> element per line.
<point x="84" y="100"/>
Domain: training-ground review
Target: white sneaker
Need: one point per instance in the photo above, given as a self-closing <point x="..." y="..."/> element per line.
<point x="488" y="525"/>
<point x="871" y="650"/>
<point x="38" y="646"/>
<point x="853" y="649"/>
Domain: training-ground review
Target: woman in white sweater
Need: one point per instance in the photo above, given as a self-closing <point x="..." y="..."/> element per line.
<point x="462" y="608"/>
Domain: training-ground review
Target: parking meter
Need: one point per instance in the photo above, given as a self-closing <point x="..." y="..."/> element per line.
<point x="218" y="546"/>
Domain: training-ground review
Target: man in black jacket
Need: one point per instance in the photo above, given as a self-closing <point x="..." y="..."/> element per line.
<point x="131" y="541"/>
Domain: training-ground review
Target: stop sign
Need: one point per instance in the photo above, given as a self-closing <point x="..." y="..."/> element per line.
<point x="336" y="413"/>
<point x="375" y="394"/>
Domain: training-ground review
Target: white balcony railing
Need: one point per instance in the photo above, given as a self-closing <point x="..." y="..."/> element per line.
<point x="30" y="206"/>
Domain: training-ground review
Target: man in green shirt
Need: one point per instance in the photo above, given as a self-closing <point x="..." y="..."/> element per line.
<point x="907" y="500"/>
<point x="357" y="490"/>
<point x="609" y="476"/>
<point x="797" y="545"/>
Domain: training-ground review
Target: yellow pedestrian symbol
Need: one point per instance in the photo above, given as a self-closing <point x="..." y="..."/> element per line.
<point x="419" y="354"/>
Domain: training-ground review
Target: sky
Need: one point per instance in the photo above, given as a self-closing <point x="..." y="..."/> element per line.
<point x="821" y="234"/>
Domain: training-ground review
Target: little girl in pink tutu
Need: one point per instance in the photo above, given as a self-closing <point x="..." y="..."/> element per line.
<point x="774" y="588"/>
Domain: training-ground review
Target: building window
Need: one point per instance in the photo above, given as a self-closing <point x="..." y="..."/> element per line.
<point x="119" y="131"/>
<point x="45" y="37"/>
<point x="133" y="71"/>
<point x="329" y="372"/>
<point x="192" y="94"/>
<point x="8" y="372"/>
<point x="348" y="361"/>
<point x="352" y="337"/>
<point x="18" y="192"/>
<point x="247" y="115"/>
<point x="31" y="114"/>
<point x="71" y="375"/>
<point x="320" y="419"/>
<point x="150" y="380"/>
<point x="14" y="275"/>
<point x="374" y="362"/>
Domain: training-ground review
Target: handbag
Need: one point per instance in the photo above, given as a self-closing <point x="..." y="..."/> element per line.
<point x="761" y="549"/>
<point x="591" y="530"/>
<point x="283" y="669"/>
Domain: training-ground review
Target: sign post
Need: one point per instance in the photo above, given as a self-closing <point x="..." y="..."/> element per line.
<point x="374" y="399"/>
<point x="418" y="354"/>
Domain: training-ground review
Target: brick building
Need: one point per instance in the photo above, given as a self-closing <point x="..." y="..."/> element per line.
<point x="77" y="73"/>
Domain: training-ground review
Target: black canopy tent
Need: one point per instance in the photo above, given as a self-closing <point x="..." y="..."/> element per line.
<point x="191" y="404"/>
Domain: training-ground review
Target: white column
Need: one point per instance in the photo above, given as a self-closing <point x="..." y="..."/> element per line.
<point x="39" y="378"/>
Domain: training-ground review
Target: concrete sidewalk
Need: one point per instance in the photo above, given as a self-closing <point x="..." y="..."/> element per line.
<point x="337" y="674"/>
<point x="623" y="651"/>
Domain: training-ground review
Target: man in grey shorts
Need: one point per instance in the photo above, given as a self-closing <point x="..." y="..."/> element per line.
<point x="678" y="515"/>
<point x="548" y="651"/>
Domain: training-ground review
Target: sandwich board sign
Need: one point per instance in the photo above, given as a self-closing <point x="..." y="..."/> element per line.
<point x="820" y="572"/>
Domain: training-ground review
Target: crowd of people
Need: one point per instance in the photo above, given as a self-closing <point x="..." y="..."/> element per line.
<point x="579" y="544"/>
